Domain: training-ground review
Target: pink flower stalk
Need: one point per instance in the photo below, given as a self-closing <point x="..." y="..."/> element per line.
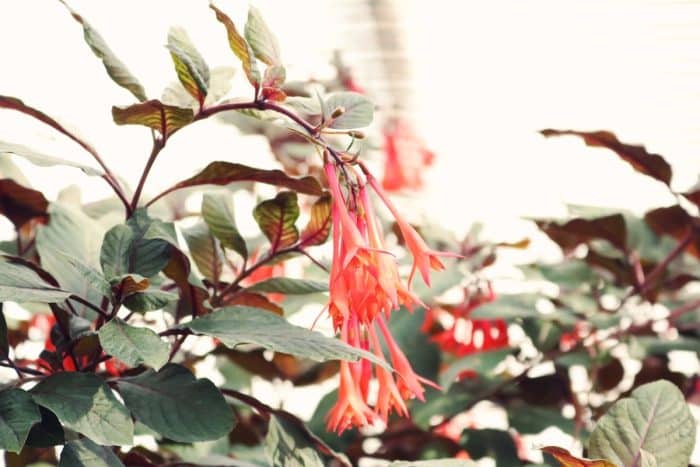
<point x="365" y="288"/>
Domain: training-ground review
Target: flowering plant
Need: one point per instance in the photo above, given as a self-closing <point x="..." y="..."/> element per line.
<point x="131" y="310"/>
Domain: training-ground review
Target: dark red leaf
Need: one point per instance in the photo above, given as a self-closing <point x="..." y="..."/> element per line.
<point x="21" y="204"/>
<point x="673" y="221"/>
<point x="223" y="173"/>
<point x="577" y="231"/>
<point x="642" y="161"/>
<point x="16" y="104"/>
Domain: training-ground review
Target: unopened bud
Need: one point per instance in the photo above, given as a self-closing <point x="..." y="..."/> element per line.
<point x="338" y="112"/>
<point x="356" y="134"/>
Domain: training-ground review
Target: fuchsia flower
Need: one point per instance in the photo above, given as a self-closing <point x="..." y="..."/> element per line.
<point x="424" y="258"/>
<point x="406" y="157"/>
<point x="365" y="287"/>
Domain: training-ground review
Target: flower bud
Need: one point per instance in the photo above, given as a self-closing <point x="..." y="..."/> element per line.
<point x="338" y="112"/>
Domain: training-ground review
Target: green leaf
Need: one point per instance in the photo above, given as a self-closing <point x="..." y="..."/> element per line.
<point x="240" y="47"/>
<point x="94" y="280"/>
<point x="641" y="346"/>
<point x="114" y="254"/>
<point x="246" y="325"/>
<point x="204" y="250"/>
<point x="133" y="345"/>
<point x="276" y="218"/>
<point x="13" y="103"/>
<point x="147" y="256"/>
<point x="521" y="306"/>
<point x="223" y="173"/>
<point x="496" y="444"/>
<point x="423" y="354"/>
<point x="528" y="419"/>
<point x="44" y="160"/>
<point x="288" y="286"/>
<point x="192" y="291"/>
<point x="176" y="405"/>
<point x="17" y="415"/>
<point x="163" y="118"/>
<point x="217" y="211"/>
<point x="21" y="204"/>
<point x="119" y="73"/>
<point x="21" y="284"/>
<point x="544" y="334"/>
<point x="482" y="363"/>
<point x="85" y="453"/>
<point x="75" y="235"/>
<point x="286" y="446"/>
<point x="653" y="427"/>
<point x="219" y="85"/>
<point x="358" y="110"/>
<point x="319" y="227"/>
<point x="83" y="403"/>
<point x="191" y="69"/>
<point x="149" y="300"/>
<point x="261" y="40"/>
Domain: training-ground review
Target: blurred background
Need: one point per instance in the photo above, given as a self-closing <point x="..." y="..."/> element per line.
<point x="477" y="81"/>
<point x="474" y="80"/>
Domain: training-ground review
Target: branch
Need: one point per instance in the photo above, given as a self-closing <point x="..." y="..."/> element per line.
<point x="158" y="145"/>
<point x="661" y="267"/>
<point x="265" y="410"/>
<point x="676" y="313"/>
<point x="89" y="305"/>
<point x="21" y="369"/>
<point x="248" y="271"/>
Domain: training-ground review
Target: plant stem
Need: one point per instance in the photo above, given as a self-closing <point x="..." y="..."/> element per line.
<point x="683" y="309"/>
<point x="23" y="369"/>
<point x="661" y="267"/>
<point x="248" y="271"/>
<point x="90" y="305"/>
<point x="158" y="145"/>
<point x="176" y="346"/>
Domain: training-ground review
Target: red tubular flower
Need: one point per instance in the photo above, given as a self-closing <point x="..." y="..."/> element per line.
<point x="424" y="258"/>
<point x="464" y="335"/>
<point x="365" y="287"/>
<point x="406" y="157"/>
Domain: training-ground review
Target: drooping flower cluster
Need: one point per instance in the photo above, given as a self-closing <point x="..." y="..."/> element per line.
<point x="365" y="287"/>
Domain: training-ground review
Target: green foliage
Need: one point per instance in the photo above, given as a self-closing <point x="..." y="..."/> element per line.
<point x="133" y="346"/>
<point x="84" y="403"/>
<point x="176" y="405"/>
<point x="84" y="453"/>
<point x="652" y="427"/>
<point x="217" y="212"/>
<point x="18" y="414"/>
<point x="131" y="318"/>
<point x="357" y="110"/>
<point x="246" y="325"/>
